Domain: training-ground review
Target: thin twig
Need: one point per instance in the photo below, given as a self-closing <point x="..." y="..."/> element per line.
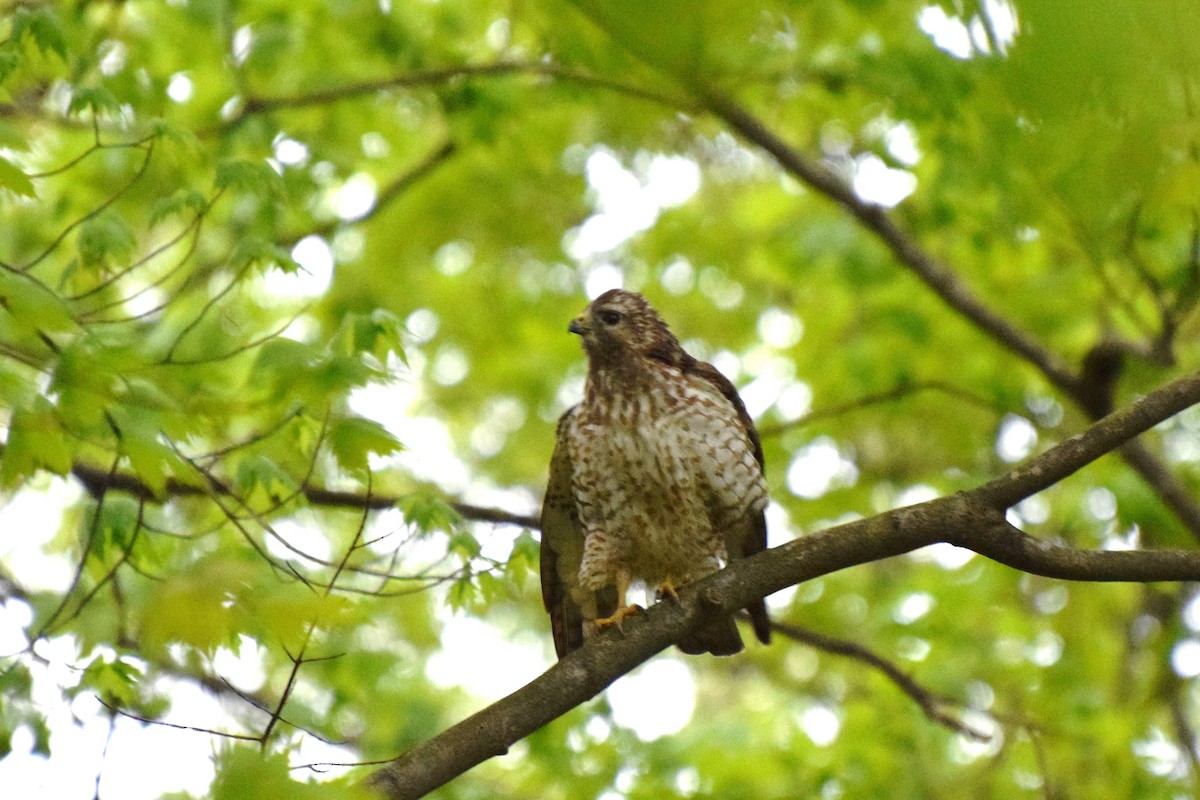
<point x="163" y="723"/>
<point x="932" y="704"/>
<point x="97" y="211"/>
<point x="897" y="392"/>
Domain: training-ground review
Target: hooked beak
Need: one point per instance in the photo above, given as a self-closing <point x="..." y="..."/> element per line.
<point x="578" y="325"/>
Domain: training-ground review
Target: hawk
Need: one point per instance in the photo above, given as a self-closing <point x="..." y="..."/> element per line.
<point x="657" y="477"/>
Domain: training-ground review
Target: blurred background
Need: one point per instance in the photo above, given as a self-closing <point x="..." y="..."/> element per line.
<point x="284" y="289"/>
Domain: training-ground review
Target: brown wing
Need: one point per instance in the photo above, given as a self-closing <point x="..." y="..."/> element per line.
<point x="750" y="536"/>
<point x="562" y="552"/>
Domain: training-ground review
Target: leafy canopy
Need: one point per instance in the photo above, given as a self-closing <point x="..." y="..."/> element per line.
<point x="271" y="268"/>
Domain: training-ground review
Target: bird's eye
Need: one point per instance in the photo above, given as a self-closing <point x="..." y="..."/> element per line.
<point x="609" y="317"/>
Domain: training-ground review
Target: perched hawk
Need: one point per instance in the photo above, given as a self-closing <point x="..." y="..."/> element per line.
<point x="657" y="476"/>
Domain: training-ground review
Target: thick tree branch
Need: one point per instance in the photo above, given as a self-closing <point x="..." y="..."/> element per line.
<point x="1092" y="389"/>
<point x="1109" y="434"/>
<point x="973" y="519"/>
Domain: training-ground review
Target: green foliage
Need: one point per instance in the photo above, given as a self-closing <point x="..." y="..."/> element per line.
<point x="36" y="441"/>
<point x="353" y="439"/>
<point x="244" y="772"/>
<point x="103" y="239"/>
<point x="15" y="180"/>
<point x="453" y="165"/>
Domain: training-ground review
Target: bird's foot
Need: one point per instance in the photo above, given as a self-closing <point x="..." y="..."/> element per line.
<point x="617" y="616"/>
<point x="667" y="589"/>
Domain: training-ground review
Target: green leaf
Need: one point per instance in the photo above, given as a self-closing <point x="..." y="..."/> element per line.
<point x="244" y="772"/>
<point x="429" y="511"/>
<point x="105" y="240"/>
<point x="252" y="177"/>
<point x="463" y="593"/>
<point x="285" y="356"/>
<point x="36" y="440"/>
<point x="676" y="36"/>
<point x="146" y="395"/>
<point x="184" y="138"/>
<point x="176" y="204"/>
<point x="114" y="679"/>
<point x="194" y="606"/>
<point x="141" y="441"/>
<point x="464" y="545"/>
<point x="335" y="374"/>
<point x="259" y="479"/>
<point x="10" y="62"/>
<point x="524" y="560"/>
<point x="97" y="99"/>
<point x="116" y="526"/>
<point x="43" y="28"/>
<point x="14" y="180"/>
<point x="12" y="138"/>
<point x="377" y="333"/>
<point x="32" y="306"/>
<point x="262" y="253"/>
<point x="41" y="737"/>
<point x="353" y="439"/>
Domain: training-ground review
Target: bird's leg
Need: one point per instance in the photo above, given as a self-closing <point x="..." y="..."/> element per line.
<point x="667" y="589"/>
<point x="622" y="610"/>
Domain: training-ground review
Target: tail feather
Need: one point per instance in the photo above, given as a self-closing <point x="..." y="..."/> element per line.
<point x="721" y="638"/>
<point x="760" y="621"/>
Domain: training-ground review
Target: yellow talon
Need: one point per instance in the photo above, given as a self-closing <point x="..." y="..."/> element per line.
<point x="667" y="589"/>
<point x="618" y="615"/>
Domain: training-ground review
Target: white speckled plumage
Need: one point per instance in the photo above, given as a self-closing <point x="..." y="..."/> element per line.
<point x="657" y="477"/>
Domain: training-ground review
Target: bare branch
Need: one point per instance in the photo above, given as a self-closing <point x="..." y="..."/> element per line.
<point x="210" y="731"/>
<point x="148" y="150"/>
<point x="898" y="392"/>
<point x="932" y="704"/>
<point x="1105" y="436"/>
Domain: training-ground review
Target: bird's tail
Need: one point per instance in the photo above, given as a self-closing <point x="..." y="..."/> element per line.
<point x="760" y="621"/>
<point x="721" y="638"/>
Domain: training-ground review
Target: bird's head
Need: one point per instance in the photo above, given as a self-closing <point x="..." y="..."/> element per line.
<point x="619" y="325"/>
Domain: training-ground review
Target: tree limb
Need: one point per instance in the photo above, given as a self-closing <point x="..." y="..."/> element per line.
<point x="442" y="76"/>
<point x="1092" y="389"/>
<point x="974" y="519"/>
<point x="900" y="391"/>
<point x="98" y="481"/>
<point x="933" y="705"/>
<point x="937" y="276"/>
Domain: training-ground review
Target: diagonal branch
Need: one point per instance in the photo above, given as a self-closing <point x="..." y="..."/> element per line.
<point x="390" y="192"/>
<point x="1093" y="396"/>
<point x="937" y="276"/>
<point x="1109" y="434"/>
<point x="973" y="519"/>
<point x="900" y="391"/>
<point x="933" y="705"/>
<point x="1175" y="496"/>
